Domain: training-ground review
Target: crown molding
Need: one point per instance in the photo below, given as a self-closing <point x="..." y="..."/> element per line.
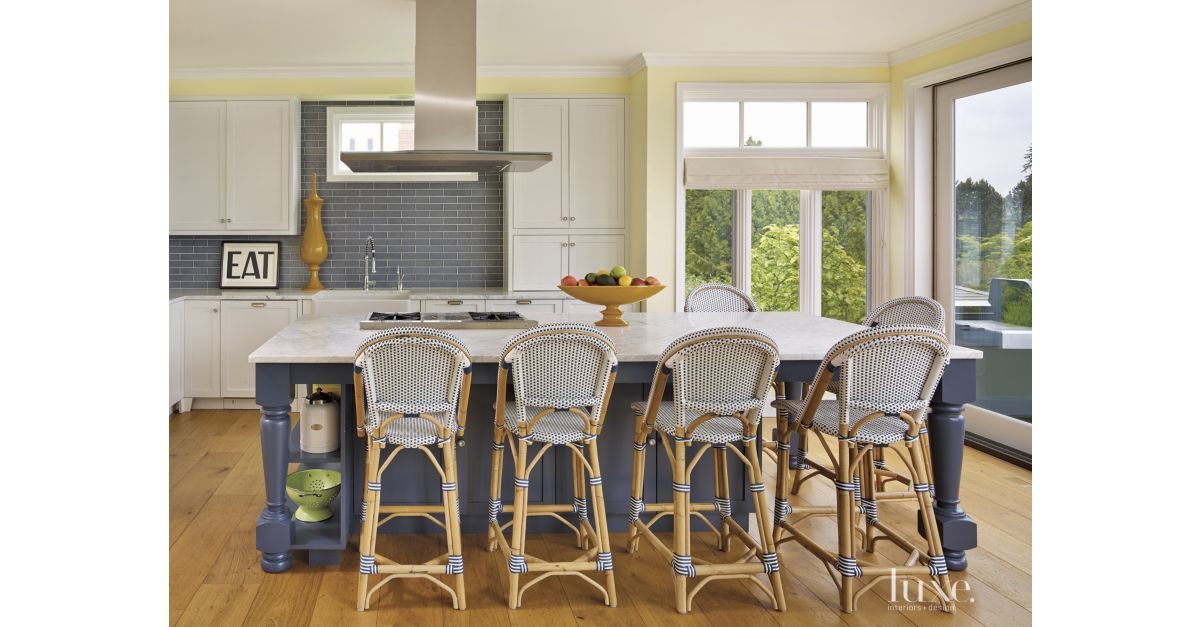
<point x="757" y="59"/>
<point x="971" y="30"/>
<point x="397" y="70"/>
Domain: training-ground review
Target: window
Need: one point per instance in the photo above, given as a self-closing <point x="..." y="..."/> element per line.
<point x="754" y="118"/>
<point x="784" y="191"/>
<point x="371" y="129"/>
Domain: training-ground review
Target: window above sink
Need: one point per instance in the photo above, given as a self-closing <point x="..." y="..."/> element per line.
<point x="374" y="129"/>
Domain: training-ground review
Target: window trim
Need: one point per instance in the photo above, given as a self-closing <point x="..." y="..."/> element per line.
<point x="878" y="226"/>
<point x="335" y="116"/>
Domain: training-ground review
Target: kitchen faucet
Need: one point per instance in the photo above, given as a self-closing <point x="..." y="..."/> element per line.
<point x="368" y="263"/>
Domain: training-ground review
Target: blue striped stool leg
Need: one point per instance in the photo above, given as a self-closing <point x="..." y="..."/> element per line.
<point x="516" y="558"/>
<point x="637" y="483"/>
<point x="768" y="556"/>
<point x="867" y="505"/>
<point x="366" y="538"/>
<point x="721" y="482"/>
<point x="454" y="561"/>
<point x="579" y="489"/>
<point x="845" y="518"/>
<point x="494" y="488"/>
<point x="681" y="497"/>
<point x="604" y="557"/>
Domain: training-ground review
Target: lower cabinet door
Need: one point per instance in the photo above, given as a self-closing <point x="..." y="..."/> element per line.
<point x="202" y="348"/>
<point x="246" y="325"/>
<point x="538" y="261"/>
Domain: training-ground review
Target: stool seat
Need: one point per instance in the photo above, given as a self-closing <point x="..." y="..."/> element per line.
<point x="411" y="431"/>
<point x="558" y="427"/>
<point x="882" y="430"/>
<point x="719" y="430"/>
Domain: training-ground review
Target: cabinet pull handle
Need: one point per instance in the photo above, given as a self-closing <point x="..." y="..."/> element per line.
<point x="572" y="218"/>
<point x="572" y="244"/>
<point x="454" y="302"/>
<point x="259" y="305"/>
<point x="564" y="244"/>
<point x="565" y="218"/>
<point x="215" y="310"/>
<point x="524" y="302"/>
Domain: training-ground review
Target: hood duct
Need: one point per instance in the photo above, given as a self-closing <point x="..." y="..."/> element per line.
<point x="446" y="134"/>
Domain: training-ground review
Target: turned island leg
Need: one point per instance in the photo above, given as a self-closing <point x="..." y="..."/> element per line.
<point x="273" y="532"/>
<point x="947" y="429"/>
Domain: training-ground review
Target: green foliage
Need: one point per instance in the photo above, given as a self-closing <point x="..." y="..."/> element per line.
<point x="774" y="264"/>
<point x="708" y="253"/>
<point x="843" y="281"/>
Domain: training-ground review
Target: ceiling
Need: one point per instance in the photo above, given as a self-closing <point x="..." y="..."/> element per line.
<point x="579" y="33"/>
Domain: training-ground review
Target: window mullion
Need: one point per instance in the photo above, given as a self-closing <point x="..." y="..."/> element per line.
<point x="741" y="239"/>
<point x="809" y="269"/>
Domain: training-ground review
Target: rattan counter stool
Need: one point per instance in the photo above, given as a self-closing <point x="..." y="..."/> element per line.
<point x="903" y="311"/>
<point x="887" y="377"/>
<point x="721" y="379"/>
<point x="562" y="376"/>
<point x="411" y="387"/>
<point x="718" y="297"/>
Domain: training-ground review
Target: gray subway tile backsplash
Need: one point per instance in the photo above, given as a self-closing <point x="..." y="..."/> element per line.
<point x="440" y="234"/>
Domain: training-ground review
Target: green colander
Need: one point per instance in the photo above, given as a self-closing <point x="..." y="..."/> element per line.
<point x="313" y="490"/>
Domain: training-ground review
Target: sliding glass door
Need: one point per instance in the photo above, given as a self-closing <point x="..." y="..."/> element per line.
<point x="984" y="240"/>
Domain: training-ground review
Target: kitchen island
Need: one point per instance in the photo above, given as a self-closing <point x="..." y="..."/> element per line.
<point x="320" y="350"/>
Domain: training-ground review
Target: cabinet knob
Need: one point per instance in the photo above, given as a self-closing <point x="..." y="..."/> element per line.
<point x="572" y="218"/>
<point x="564" y="244"/>
<point x="564" y="218"/>
<point x="572" y="244"/>
<point x="215" y="310"/>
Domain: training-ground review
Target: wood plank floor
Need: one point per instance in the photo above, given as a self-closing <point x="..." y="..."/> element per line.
<point x="217" y="493"/>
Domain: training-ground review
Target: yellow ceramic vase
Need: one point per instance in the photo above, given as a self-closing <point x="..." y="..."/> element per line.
<point x="314" y="250"/>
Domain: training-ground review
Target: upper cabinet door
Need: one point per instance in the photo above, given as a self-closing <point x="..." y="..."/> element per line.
<point x="540" y="197"/>
<point x="197" y="166"/>
<point x="259" y="165"/>
<point x="596" y="163"/>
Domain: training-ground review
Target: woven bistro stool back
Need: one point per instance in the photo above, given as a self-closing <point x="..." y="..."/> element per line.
<point x="721" y="379"/>
<point x="888" y="376"/>
<point x="718" y="297"/>
<point x="411" y="388"/>
<point x="562" y="376"/>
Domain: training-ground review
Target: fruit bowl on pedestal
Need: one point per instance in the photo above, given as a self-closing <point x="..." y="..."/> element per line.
<point x="612" y="297"/>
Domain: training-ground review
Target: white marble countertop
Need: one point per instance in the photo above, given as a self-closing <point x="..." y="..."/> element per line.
<point x="419" y="293"/>
<point x="801" y="337"/>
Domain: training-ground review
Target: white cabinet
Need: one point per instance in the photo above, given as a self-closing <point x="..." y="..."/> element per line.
<point x="529" y="308"/>
<point x="246" y="325"/>
<point x="583" y="187"/>
<point x="451" y="305"/>
<point x="567" y="217"/>
<point x="233" y="166"/>
<point x="202" y="348"/>
<point x="589" y="253"/>
<point x="540" y="197"/>
<point x="197" y="165"/>
<point x="175" y="369"/>
<point x="538" y="261"/>
<point x="596" y="163"/>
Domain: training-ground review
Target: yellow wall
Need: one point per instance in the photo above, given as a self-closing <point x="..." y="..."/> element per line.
<point x="652" y="124"/>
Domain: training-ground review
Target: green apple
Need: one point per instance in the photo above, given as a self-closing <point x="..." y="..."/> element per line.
<point x="618" y="271"/>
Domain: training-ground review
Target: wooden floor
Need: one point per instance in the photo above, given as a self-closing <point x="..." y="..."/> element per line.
<point x="217" y="493"/>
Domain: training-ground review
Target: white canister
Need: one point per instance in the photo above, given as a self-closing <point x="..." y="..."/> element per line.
<point x="319" y="423"/>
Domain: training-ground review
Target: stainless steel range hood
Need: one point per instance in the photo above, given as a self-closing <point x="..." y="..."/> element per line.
<point x="446" y="137"/>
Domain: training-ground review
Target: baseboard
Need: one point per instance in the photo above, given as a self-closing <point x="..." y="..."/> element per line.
<point x="1000" y="451"/>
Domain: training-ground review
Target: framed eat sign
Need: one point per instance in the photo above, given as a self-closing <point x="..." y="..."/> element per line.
<point x="249" y="264"/>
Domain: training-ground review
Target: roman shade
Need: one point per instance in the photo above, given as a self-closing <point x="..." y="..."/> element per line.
<point x="843" y="173"/>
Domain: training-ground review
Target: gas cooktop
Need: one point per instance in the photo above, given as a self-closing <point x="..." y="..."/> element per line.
<point x="450" y="320"/>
